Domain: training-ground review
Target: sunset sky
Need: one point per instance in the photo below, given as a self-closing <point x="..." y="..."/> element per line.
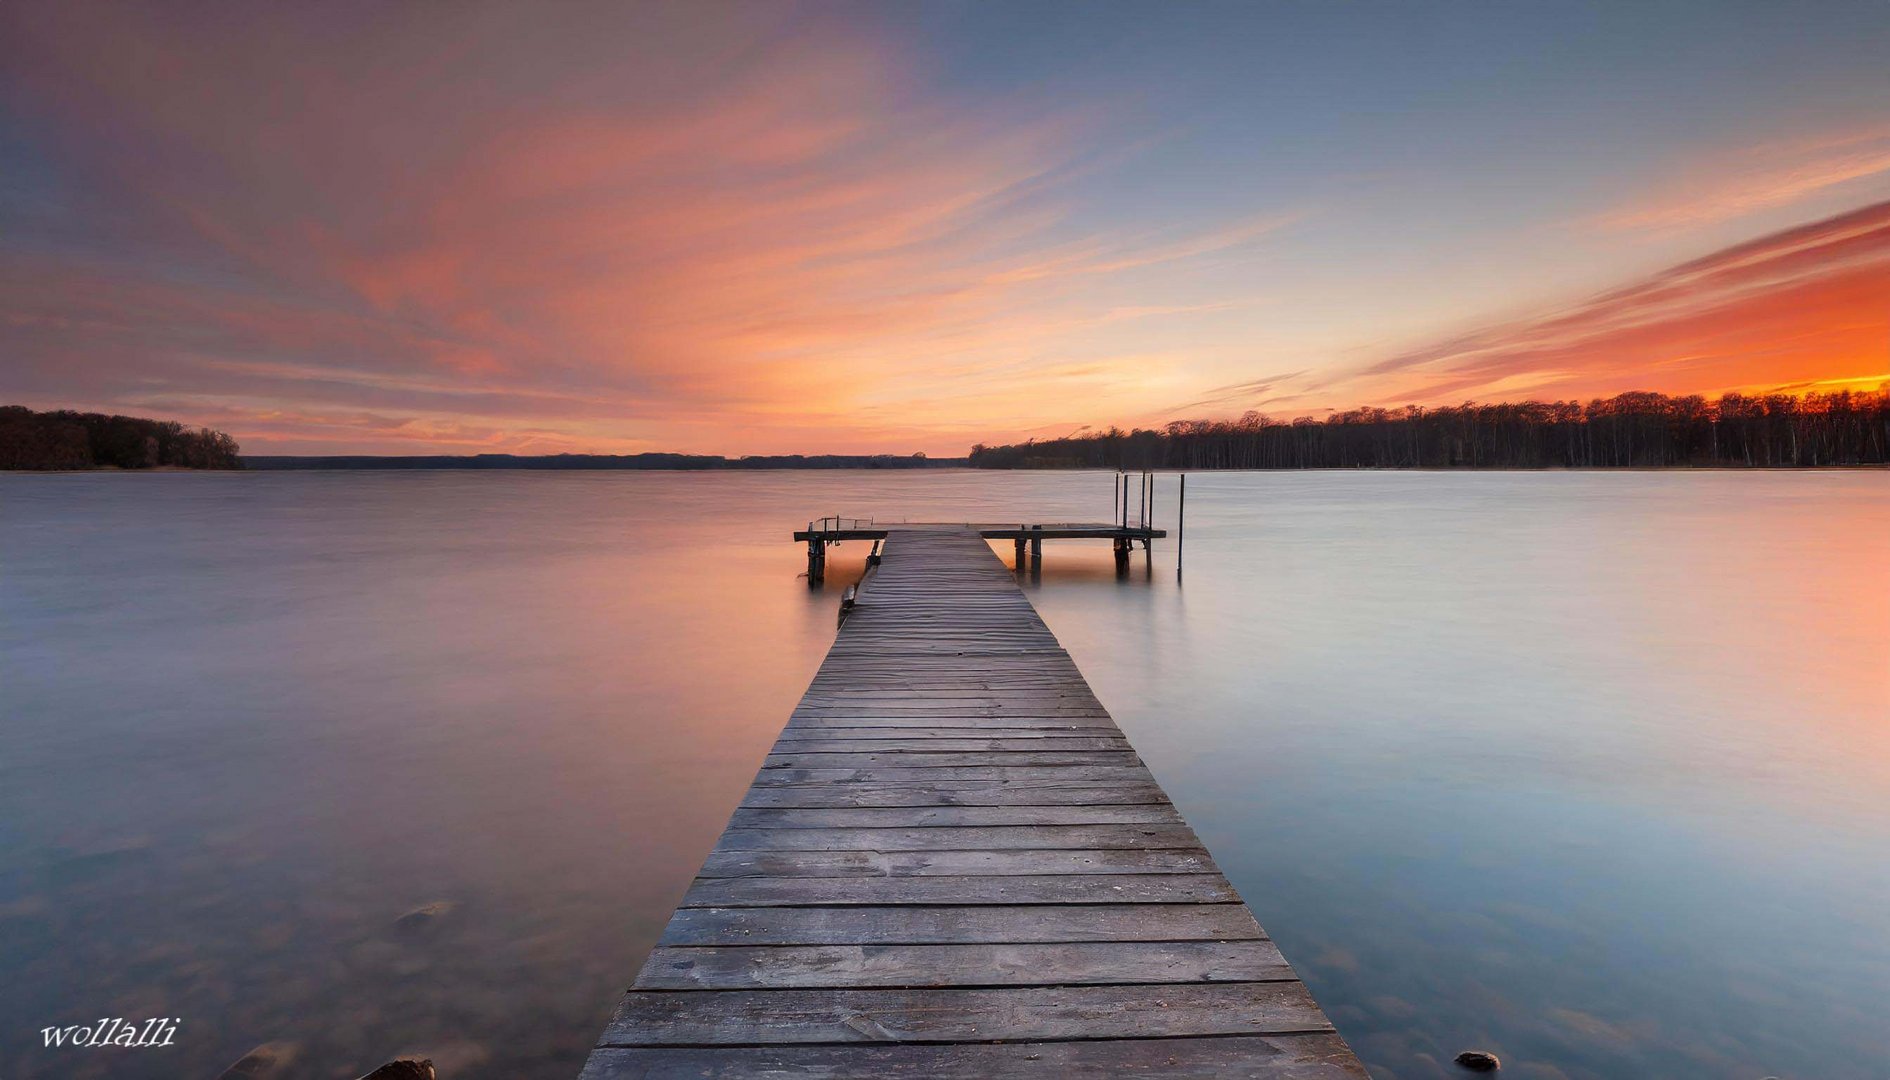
<point x="760" y="228"/>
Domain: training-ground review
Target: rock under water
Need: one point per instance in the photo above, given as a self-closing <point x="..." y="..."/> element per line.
<point x="268" y="1060"/>
<point x="403" y="1069"/>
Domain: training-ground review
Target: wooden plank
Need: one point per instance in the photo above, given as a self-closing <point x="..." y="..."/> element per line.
<point x="953" y="838"/>
<point x="746" y="1017"/>
<point x="829" y="726"/>
<point x="959" y="925"/>
<point x="969" y="816"/>
<point x="955" y="863"/>
<point x="1251" y="1057"/>
<point x="944" y="743"/>
<point x="981" y="889"/>
<point x="926" y="773"/>
<point x="741" y="967"/>
<point x="955" y="793"/>
<point x="799" y="733"/>
<point x="1016" y="759"/>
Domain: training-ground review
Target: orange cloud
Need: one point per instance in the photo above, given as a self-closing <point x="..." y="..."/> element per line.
<point x="1802" y="306"/>
<point x="765" y="243"/>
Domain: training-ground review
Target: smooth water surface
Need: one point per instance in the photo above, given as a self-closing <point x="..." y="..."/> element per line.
<point x="1592" y="770"/>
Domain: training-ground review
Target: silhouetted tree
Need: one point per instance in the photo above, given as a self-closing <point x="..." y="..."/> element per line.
<point x="1627" y="430"/>
<point x="75" y="440"/>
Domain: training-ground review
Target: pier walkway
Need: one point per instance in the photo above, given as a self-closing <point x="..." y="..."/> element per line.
<point x="953" y="866"/>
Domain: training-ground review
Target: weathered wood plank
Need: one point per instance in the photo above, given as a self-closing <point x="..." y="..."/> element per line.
<point x="955" y="863"/>
<point x="1023" y="723"/>
<point x="795" y="759"/>
<point x="954" y="793"/>
<point x="1251" y="1057"/>
<point x="746" y="1017"/>
<point x="953" y="838"/>
<point x="799" y="733"/>
<point x="927" y="773"/>
<point x="686" y="967"/>
<point x="998" y="889"/>
<point x="960" y="925"/>
<point x="946" y="743"/>
<point x="969" y="816"/>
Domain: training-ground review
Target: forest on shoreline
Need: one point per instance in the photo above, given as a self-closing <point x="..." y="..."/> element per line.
<point x="74" y="440"/>
<point x="1633" y="430"/>
<point x="652" y="461"/>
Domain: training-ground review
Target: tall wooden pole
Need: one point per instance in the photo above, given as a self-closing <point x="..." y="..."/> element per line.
<point x="1181" y="524"/>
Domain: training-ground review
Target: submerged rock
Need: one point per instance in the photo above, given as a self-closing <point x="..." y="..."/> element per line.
<point x="1479" y="1061"/>
<point x="424" y="918"/>
<point x="403" y="1069"/>
<point x="268" y="1060"/>
<point x="452" y="1058"/>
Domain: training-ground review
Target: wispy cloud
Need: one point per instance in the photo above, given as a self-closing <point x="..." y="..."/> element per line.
<point x="704" y="238"/>
<point x="1757" y="178"/>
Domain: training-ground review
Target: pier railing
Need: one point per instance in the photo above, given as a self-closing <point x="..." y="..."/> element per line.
<point x="836" y="523"/>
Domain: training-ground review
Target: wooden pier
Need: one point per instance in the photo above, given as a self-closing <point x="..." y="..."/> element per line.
<point x="1027" y="538"/>
<point x="953" y="866"/>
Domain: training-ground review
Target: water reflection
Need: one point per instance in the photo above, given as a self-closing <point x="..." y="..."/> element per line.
<point x="1586" y="769"/>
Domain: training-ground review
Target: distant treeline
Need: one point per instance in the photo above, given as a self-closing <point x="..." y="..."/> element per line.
<point x="608" y="461"/>
<point x="76" y="440"/>
<point x="1637" y="429"/>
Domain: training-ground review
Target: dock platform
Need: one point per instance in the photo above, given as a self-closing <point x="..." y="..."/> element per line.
<point x="952" y="865"/>
<point x="825" y="531"/>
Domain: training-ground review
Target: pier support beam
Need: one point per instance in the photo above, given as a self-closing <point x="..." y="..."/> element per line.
<point x="816" y="561"/>
<point x="1036" y="551"/>
<point x="1123" y="547"/>
<point x="1017" y="559"/>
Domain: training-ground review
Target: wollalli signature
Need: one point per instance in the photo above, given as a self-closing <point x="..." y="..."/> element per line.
<point x="114" y="1031"/>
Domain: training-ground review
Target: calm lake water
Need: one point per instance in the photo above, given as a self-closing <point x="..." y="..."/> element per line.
<point x="1592" y="770"/>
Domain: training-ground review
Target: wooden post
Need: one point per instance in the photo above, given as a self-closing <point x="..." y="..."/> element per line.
<point x="1181" y="523"/>
<point x="816" y="560"/>
<point x="1036" y="551"/>
<point x="1017" y="558"/>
